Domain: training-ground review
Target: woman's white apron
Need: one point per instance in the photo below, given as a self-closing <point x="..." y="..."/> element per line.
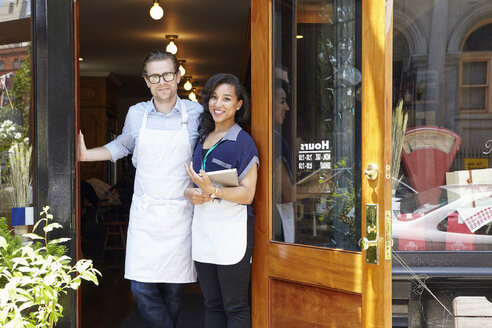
<point x="159" y="232"/>
<point x="219" y="232"/>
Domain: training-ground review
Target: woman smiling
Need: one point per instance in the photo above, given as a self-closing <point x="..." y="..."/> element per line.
<point x="222" y="230"/>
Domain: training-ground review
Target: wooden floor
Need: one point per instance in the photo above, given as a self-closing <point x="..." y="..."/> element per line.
<point x="111" y="305"/>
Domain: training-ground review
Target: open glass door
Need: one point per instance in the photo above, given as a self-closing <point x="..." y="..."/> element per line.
<point x="321" y="68"/>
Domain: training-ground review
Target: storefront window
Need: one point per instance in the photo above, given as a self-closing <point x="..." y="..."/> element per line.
<point x="316" y="117"/>
<point x="15" y="111"/>
<point x="442" y="187"/>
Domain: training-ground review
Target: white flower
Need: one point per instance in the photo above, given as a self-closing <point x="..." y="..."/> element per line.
<point x="12" y="128"/>
<point x="26" y="139"/>
<point x="17" y="135"/>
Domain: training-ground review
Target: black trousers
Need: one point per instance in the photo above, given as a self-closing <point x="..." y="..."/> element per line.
<point x="226" y="289"/>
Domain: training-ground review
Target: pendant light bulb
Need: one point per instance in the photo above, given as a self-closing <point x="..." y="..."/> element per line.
<point x="187" y="86"/>
<point x="171" y="47"/>
<point x="192" y="96"/>
<point x="156" y="12"/>
<point x="181" y="67"/>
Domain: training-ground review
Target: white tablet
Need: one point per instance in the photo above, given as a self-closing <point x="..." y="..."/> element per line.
<point x="224" y="178"/>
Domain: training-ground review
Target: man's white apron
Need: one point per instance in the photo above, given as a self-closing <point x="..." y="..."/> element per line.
<point x="159" y="233"/>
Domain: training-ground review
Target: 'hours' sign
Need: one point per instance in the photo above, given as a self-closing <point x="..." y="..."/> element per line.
<point x="313" y="153"/>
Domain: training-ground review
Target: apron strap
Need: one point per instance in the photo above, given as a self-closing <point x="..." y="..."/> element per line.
<point x="184" y="116"/>
<point x="184" y="120"/>
<point x="144" y="120"/>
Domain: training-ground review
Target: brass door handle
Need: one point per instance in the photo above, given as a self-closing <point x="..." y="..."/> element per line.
<point x="365" y="243"/>
<point x="371" y="172"/>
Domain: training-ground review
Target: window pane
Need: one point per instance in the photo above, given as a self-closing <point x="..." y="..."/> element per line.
<point x="473" y="98"/>
<point x="15" y="111"/>
<point x="474" y="73"/>
<point x="442" y="137"/>
<point x="316" y="113"/>
<point x="13" y="10"/>
<point x="479" y="40"/>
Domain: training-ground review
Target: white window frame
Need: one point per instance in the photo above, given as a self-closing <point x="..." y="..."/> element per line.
<point x="477" y="57"/>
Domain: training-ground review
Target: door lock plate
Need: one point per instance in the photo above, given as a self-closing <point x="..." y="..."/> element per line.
<point x="370" y="242"/>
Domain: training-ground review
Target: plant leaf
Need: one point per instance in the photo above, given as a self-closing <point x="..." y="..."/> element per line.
<point x="32" y="236"/>
<point x="52" y="226"/>
<point x="59" y="240"/>
<point x="3" y="242"/>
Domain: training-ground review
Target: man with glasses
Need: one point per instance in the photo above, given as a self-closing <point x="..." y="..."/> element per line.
<point x="160" y="134"/>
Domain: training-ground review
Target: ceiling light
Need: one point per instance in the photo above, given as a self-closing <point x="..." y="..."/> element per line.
<point x="81" y="59"/>
<point x="156" y="12"/>
<point x="181" y="67"/>
<point x="171" y="47"/>
<point x="192" y="95"/>
<point x="299" y="36"/>
<point x="187" y="86"/>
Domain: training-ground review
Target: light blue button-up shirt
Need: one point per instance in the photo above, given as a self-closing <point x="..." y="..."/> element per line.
<point x="125" y="143"/>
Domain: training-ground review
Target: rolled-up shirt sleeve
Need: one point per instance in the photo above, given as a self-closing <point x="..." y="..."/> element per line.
<point x="124" y="144"/>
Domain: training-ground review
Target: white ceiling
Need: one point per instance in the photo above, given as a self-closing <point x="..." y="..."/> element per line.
<point x="115" y="35"/>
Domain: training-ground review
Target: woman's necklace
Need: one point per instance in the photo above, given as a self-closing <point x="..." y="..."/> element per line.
<point x="213" y="138"/>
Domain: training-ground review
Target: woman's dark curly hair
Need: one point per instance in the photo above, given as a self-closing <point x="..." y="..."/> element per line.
<point x="207" y="123"/>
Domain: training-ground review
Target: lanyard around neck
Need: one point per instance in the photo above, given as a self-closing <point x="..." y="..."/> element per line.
<point x="208" y="152"/>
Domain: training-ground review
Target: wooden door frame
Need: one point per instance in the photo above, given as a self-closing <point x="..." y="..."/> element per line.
<point x="261" y="131"/>
<point x="376" y="122"/>
<point x="377" y="59"/>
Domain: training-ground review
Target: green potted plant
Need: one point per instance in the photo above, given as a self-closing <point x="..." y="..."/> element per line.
<point x="35" y="274"/>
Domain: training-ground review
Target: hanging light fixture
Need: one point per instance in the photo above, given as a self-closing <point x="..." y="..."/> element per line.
<point x="187" y="86"/>
<point x="192" y="95"/>
<point x="181" y="67"/>
<point x="156" y="12"/>
<point x="171" y="47"/>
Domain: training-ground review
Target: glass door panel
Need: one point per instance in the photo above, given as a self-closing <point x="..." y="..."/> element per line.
<point x="316" y="117"/>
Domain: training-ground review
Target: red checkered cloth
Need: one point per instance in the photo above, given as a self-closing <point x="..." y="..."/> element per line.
<point x="479" y="219"/>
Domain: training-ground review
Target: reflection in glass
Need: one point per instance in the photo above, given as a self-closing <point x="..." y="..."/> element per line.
<point x="12" y="10"/>
<point x="473" y="98"/>
<point x="316" y="111"/>
<point x="15" y="109"/>
<point x="474" y="73"/>
<point x="442" y="195"/>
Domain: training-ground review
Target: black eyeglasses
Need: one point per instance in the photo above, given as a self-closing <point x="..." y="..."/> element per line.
<point x="156" y="78"/>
